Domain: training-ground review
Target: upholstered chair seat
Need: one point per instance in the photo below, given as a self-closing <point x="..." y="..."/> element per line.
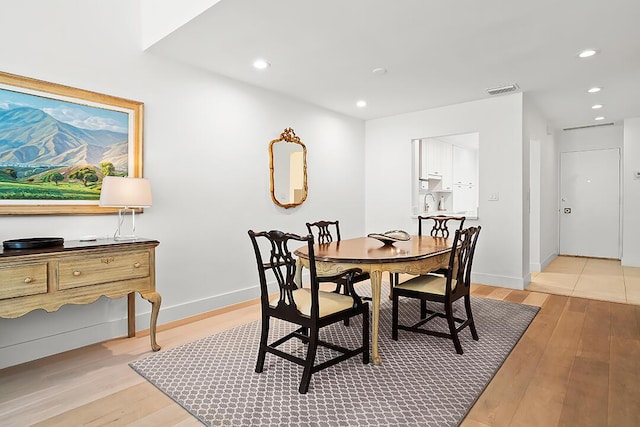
<point x="328" y="302"/>
<point x="428" y="283"/>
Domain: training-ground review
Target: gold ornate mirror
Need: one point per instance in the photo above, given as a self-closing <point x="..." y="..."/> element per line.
<point x="288" y="164"/>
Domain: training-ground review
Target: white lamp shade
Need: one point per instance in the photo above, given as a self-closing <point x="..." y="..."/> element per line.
<point x="125" y="192"/>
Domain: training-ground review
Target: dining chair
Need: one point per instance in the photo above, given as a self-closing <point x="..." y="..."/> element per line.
<point x="439" y="228"/>
<point x="327" y="232"/>
<point x="442" y="289"/>
<point x="308" y="307"/>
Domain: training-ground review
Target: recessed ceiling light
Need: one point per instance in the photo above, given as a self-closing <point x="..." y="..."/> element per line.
<point x="261" y="64"/>
<point x="587" y="53"/>
<point x="599" y="118"/>
<point x="361" y="104"/>
<point x="594" y="89"/>
<point x="379" y="70"/>
<point x="596" y="107"/>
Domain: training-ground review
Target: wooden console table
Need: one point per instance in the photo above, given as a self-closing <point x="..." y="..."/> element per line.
<point x="80" y="273"/>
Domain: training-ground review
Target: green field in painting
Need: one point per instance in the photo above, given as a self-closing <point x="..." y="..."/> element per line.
<point x="48" y="191"/>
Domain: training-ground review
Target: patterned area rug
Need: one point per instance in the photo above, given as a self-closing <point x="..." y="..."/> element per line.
<point x="422" y="380"/>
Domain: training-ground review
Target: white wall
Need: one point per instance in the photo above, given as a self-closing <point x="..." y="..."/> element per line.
<point x="499" y="257"/>
<point x="595" y="138"/>
<point x="631" y="193"/>
<point x="206" y="140"/>
<point x="543" y="188"/>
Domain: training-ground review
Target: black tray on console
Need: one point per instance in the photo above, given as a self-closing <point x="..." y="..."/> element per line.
<point x="33" y="243"/>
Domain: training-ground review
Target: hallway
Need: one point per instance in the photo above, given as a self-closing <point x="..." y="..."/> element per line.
<point x="593" y="278"/>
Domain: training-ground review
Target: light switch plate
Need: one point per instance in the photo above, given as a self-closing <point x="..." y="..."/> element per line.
<point x="494" y="197"/>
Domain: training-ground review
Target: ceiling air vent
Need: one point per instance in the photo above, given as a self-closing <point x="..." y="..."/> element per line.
<point x="502" y="89"/>
<point x="589" y="126"/>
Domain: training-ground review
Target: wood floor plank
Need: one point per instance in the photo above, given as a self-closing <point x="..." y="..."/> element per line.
<point x="624" y="372"/>
<point x="497" y="405"/>
<point x="114" y="409"/>
<point x="535" y="298"/>
<point x="481" y="290"/>
<point x="516" y="296"/>
<point x="586" y="400"/>
<point x="543" y="401"/>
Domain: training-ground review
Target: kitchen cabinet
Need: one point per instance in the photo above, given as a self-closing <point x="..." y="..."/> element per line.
<point x="465" y="198"/>
<point x="465" y="169"/>
<point x="436" y="163"/>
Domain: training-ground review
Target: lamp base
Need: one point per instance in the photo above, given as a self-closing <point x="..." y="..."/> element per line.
<point x="118" y="236"/>
<point x="125" y="238"/>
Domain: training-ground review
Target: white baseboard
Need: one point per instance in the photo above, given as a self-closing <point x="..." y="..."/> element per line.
<point x="500" y="281"/>
<point x="538" y="267"/>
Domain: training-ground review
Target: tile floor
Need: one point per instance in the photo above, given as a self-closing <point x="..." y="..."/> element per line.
<point x="594" y="278"/>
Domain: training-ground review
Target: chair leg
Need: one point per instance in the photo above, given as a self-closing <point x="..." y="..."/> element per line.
<point x="394" y="318"/>
<point x="452" y="326"/>
<point x="311" y="357"/>
<point x="472" y="324"/>
<point x="262" y="352"/>
<point x="346" y="292"/>
<point x="423" y="309"/>
<point x="365" y="335"/>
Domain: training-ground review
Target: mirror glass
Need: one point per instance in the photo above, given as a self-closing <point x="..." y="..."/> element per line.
<point x="288" y="164"/>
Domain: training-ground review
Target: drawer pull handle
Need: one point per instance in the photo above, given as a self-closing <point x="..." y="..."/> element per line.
<point x="28" y="280"/>
<point x="107" y="260"/>
<point x="136" y="265"/>
<point x="76" y="273"/>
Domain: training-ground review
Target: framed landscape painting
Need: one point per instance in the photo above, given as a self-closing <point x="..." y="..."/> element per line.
<point x="57" y="143"/>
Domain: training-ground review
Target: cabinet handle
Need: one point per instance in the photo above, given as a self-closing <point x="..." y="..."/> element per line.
<point x="76" y="273"/>
<point x="136" y="265"/>
<point x="28" y="280"/>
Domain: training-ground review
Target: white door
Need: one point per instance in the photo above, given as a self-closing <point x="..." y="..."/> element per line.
<point x="590" y="203"/>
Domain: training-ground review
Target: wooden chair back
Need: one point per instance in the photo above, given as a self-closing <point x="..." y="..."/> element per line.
<point x="440" y="226"/>
<point x="461" y="261"/>
<point x="281" y="264"/>
<point x="325" y="231"/>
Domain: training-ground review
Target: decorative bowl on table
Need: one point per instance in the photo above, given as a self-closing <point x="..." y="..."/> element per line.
<point x="390" y="237"/>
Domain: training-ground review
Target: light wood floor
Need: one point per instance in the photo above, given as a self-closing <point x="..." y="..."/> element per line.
<point x="594" y="278"/>
<point x="578" y="364"/>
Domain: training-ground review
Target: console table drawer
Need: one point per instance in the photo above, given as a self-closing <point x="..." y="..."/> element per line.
<point x="92" y="270"/>
<point x="23" y="280"/>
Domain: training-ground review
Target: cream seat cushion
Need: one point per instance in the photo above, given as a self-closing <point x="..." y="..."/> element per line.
<point x="328" y="302"/>
<point x="427" y="283"/>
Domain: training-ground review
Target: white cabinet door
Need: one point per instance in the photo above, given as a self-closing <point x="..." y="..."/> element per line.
<point x="436" y="163"/>
<point x="465" y="198"/>
<point x="465" y="166"/>
<point x="446" y="166"/>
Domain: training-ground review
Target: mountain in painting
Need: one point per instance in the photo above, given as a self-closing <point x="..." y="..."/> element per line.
<point x="29" y="136"/>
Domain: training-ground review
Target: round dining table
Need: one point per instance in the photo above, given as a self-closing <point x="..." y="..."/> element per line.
<point x="418" y="255"/>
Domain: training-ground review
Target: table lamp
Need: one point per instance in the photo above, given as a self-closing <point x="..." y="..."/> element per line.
<point x="125" y="194"/>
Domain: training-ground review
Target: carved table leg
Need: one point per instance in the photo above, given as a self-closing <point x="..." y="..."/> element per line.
<point x="131" y="314"/>
<point x="376" y="285"/>
<point x="155" y="299"/>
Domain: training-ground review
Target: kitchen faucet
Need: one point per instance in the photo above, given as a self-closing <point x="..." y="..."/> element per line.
<point x="427" y="208"/>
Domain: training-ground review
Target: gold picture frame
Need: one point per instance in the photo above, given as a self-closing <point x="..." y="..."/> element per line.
<point x="79" y="136"/>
